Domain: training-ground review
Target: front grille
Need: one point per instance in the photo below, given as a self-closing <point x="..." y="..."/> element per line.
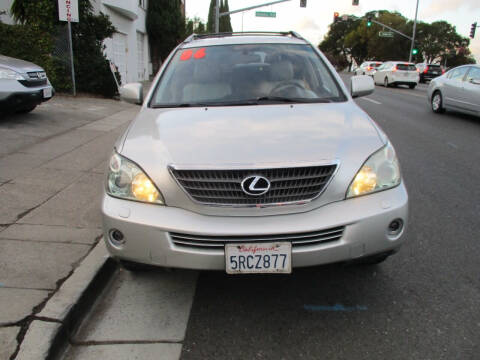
<point x="33" y="83"/>
<point x="223" y="187"/>
<point x="218" y="242"/>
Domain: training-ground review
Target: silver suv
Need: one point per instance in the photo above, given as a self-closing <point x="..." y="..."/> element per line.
<point x="23" y="85"/>
<point x="249" y="155"/>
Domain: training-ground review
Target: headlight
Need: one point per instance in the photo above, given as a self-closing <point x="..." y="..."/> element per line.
<point x="7" y="74"/>
<point x="380" y="172"/>
<point x="127" y="181"/>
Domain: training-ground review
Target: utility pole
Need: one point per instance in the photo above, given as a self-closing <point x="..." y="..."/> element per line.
<point x="413" y="36"/>
<point x="217" y="16"/>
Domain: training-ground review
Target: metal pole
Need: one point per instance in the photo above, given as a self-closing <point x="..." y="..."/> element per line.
<point x="253" y="7"/>
<point x="217" y="17"/>
<point x="413" y="36"/>
<point x="71" y="57"/>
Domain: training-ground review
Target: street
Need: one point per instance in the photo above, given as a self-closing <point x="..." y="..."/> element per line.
<point x="421" y="303"/>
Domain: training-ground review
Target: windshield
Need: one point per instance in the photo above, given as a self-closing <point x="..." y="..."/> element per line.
<point x="245" y="74"/>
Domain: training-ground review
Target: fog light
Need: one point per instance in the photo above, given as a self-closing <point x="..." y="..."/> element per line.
<point x="116" y="237"/>
<point x="395" y="227"/>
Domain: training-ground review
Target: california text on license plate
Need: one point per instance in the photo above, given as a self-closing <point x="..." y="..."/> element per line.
<point x="275" y="257"/>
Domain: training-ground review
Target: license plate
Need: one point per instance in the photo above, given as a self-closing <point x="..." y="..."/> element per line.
<point x="47" y="93"/>
<point x="434" y="73"/>
<point x="248" y="258"/>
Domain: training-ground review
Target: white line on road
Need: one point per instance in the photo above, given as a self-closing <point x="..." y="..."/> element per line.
<point x="371" y="100"/>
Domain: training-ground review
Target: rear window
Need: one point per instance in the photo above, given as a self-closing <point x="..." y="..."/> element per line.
<point x="376" y="65"/>
<point x="406" y="67"/>
<point x="232" y="74"/>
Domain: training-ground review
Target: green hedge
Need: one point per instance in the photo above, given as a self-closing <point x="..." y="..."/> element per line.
<point x="31" y="43"/>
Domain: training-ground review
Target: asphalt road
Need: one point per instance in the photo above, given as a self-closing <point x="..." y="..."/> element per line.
<point x="422" y="303"/>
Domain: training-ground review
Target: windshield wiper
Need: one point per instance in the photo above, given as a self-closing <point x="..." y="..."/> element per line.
<point x="292" y="100"/>
<point x="177" y="105"/>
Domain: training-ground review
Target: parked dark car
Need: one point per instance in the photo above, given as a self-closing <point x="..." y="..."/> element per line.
<point x="429" y="71"/>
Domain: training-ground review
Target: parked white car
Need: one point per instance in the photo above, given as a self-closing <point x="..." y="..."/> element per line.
<point x="393" y="73"/>
<point x="368" y="68"/>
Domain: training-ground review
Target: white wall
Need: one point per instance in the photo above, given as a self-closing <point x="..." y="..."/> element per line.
<point x="128" y="27"/>
<point x="5" y="5"/>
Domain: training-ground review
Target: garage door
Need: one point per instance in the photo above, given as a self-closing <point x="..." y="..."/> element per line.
<point x="120" y="54"/>
<point x="140" y="57"/>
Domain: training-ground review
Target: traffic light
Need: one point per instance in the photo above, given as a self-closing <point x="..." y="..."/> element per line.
<point x="369" y="21"/>
<point x="355" y="2"/>
<point x="472" y="30"/>
<point x="414" y="51"/>
<point x="336" y="17"/>
<point x="303" y="3"/>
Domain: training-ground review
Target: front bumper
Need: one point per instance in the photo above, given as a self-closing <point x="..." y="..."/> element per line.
<point x="15" y="96"/>
<point x="146" y="230"/>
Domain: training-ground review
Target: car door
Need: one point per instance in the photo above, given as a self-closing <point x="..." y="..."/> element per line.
<point x="453" y="94"/>
<point x="378" y="76"/>
<point x="471" y="89"/>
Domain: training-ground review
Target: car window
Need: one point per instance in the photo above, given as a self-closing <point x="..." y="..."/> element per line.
<point x="230" y="74"/>
<point x="406" y="67"/>
<point x="458" y="74"/>
<point x="473" y="74"/>
<point x="376" y="65"/>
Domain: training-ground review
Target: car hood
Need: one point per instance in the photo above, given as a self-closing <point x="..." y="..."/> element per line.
<point x="18" y="65"/>
<point x="252" y="137"/>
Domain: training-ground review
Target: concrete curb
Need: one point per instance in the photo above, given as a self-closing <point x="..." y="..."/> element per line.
<point x="49" y="333"/>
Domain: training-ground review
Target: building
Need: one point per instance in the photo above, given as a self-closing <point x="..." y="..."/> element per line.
<point x="128" y="49"/>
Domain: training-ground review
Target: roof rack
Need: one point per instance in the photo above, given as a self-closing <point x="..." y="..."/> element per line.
<point x="245" y="33"/>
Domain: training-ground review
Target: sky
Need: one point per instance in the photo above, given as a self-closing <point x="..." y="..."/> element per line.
<point x="312" y="22"/>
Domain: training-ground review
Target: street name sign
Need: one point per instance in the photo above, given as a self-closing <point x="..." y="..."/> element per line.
<point x="388" y="34"/>
<point x="266" y="14"/>
<point x="68" y="10"/>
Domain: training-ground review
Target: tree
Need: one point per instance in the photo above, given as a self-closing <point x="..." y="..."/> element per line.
<point x="91" y="67"/>
<point x="333" y="43"/>
<point x="211" y="17"/>
<point x="194" y="25"/>
<point x="165" y="27"/>
<point x="225" y="24"/>
<point x="437" y="38"/>
<point x="351" y="39"/>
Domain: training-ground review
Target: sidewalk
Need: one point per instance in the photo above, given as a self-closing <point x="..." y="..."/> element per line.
<point x="51" y="177"/>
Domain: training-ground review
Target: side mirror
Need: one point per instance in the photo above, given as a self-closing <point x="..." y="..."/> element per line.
<point x="132" y="93"/>
<point x="361" y="85"/>
<point x="475" y="81"/>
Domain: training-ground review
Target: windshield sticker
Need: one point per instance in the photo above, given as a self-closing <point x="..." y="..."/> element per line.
<point x="187" y="54"/>
<point x="199" y="54"/>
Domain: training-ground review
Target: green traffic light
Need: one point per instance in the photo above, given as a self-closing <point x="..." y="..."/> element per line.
<point x="369" y="23"/>
<point x="415" y="51"/>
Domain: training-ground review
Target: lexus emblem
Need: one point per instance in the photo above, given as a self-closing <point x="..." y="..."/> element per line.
<point x="255" y="185"/>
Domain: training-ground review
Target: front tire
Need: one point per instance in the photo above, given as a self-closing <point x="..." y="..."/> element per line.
<point x="412" y="86"/>
<point x="437" y="103"/>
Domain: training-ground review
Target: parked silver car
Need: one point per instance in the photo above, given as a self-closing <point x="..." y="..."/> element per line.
<point x="23" y="85"/>
<point x="458" y="89"/>
<point x="250" y="155"/>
